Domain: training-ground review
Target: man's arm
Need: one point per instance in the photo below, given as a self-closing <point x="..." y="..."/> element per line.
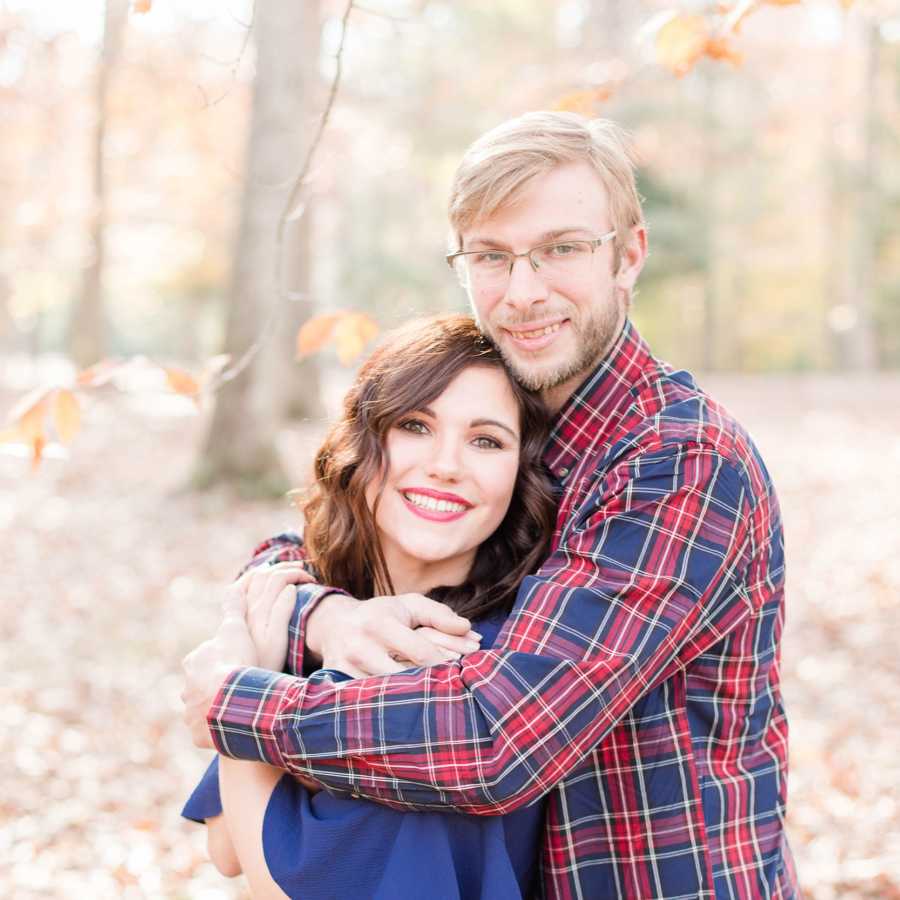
<point x="648" y="575"/>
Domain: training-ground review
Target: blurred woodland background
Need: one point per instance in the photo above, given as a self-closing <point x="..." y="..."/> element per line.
<point x="156" y="204"/>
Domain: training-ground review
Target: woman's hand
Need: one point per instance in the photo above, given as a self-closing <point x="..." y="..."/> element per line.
<point x="267" y="596"/>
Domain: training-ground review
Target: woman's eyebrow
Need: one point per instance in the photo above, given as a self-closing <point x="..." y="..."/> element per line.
<point x="477" y="423"/>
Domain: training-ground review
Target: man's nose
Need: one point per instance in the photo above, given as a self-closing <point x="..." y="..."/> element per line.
<point x="526" y="286"/>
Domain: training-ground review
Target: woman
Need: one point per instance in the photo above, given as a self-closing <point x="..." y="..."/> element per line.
<point x="432" y="483"/>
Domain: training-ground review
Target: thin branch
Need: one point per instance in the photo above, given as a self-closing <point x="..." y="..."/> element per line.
<point x="293" y="204"/>
<point x="289" y="213"/>
<point x="237" y="62"/>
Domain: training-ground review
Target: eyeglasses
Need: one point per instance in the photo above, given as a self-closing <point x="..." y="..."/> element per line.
<point x="560" y="259"/>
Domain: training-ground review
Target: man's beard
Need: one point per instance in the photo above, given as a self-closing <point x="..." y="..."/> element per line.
<point x="594" y="336"/>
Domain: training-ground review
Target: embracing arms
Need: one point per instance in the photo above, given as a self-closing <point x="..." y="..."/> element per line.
<point x="649" y="572"/>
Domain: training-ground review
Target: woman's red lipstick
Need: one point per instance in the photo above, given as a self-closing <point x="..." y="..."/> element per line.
<point x="436" y="515"/>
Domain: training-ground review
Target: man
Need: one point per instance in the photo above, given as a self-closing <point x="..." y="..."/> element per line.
<point x="636" y="683"/>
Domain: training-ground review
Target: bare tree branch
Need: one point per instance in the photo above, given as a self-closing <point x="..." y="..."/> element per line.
<point x="293" y="209"/>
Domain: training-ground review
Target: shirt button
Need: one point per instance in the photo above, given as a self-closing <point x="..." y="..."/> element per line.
<point x="564" y="471"/>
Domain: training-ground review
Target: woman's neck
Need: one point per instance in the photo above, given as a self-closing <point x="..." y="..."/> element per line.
<point x="410" y="576"/>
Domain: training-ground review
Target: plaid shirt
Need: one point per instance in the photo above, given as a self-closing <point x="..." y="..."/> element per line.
<point x="635" y="683"/>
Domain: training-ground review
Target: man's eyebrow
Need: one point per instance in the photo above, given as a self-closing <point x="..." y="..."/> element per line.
<point x="487" y="241"/>
<point x="477" y="423"/>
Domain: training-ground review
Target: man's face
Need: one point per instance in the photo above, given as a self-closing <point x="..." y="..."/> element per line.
<point x="552" y="330"/>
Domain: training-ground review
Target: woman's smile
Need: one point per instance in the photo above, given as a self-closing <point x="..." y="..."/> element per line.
<point x="435" y="505"/>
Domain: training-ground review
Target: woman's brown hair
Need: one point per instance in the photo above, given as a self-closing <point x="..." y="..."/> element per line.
<point x="409" y="370"/>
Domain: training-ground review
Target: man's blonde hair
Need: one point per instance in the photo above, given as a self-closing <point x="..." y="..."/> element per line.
<point x="501" y="162"/>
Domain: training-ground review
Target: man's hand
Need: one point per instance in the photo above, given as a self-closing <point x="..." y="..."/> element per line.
<point x="386" y="634"/>
<point x="208" y="665"/>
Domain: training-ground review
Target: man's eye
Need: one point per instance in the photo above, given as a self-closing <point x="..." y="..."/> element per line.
<point x="414" y="426"/>
<point x="487" y="443"/>
<point x="490" y="258"/>
<point x="564" y="249"/>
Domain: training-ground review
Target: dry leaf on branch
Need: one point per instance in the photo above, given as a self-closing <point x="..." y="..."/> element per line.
<point x="182" y="382"/>
<point x="351" y="331"/>
<point x="66" y="415"/>
<point x="315" y="333"/>
<point x="681" y="41"/>
<point x="722" y="48"/>
<point x="351" y="334"/>
<point x="584" y="102"/>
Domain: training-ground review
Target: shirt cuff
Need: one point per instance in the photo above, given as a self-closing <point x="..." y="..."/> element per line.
<point x="242" y="717"/>
<point x="299" y="661"/>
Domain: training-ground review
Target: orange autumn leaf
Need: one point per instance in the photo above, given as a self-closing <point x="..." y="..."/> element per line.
<point x="721" y="48"/>
<point x="66" y="415"/>
<point x="315" y="332"/>
<point x="351" y="334"/>
<point x="681" y="41"/>
<point x="584" y="102"/>
<point x="847" y="3"/>
<point x="37" y="451"/>
<point x="143" y="6"/>
<point x="27" y="416"/>
<point x="182" y="382"/>
<point x="783" y="2"/>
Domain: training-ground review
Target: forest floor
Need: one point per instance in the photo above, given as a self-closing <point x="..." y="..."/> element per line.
<point x="110" y="572"/>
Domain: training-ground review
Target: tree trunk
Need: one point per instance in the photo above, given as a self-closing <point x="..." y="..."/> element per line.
<point x="854" y="205"/>
<point x="241" y="443"/>
<point x="87" y="328"/>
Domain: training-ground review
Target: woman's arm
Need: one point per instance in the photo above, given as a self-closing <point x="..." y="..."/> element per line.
<point x="246" y="788"/>
<point x="220" y="847"/>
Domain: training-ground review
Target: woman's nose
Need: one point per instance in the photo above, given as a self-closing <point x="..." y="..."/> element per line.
<point x="445" y="463"/>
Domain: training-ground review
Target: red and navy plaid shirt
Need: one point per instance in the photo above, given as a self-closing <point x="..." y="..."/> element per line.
<point x="635" y="683"/>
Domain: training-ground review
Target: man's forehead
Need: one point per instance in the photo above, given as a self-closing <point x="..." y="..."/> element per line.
<point x="567" y="199"/>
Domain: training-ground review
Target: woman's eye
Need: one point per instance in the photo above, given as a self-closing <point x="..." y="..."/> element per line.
<point x="487" y="443"/>
<point x="414" y="426"/>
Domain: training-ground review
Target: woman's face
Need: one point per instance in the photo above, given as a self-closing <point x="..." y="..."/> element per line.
<point x="451" y="474"/>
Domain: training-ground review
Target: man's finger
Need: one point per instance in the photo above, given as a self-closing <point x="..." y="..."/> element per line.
<point x="400" y="642"/>
<point x="459" y="645"/>
<point x="425" y="611"/>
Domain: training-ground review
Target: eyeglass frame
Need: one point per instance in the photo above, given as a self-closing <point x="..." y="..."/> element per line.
<point x="594" y="243"/>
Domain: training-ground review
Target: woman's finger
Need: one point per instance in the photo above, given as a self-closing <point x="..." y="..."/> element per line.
<point x="297" y="571"/>
<point x="282" y="610"/>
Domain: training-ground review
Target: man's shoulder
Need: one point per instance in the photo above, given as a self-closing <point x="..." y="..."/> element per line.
<point x="670" y="413"/>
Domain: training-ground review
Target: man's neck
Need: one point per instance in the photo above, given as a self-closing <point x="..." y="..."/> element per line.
<point x="556" y="397"/>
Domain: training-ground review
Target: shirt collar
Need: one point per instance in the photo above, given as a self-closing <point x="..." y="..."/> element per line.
<point x="589" y="416"/>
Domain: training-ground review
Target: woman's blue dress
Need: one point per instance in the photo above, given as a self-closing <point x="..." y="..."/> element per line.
<point x="322" y="847"/>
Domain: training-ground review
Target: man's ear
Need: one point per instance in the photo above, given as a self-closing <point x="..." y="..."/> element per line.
<point x="632" y="257"/>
